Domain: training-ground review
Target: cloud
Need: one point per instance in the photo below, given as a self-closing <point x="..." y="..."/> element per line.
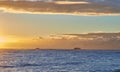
<point x="70" y="7"/>
<point x="97" y="36"/>
<point x="100" y="37"/>
<point x="110" y="41"/>
<point x="86" y="41"/>
<point x="71" y="2"/>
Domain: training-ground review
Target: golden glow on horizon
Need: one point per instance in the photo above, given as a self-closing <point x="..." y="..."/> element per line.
<point x="67" y="41"/>
<point x="4" y="41"/>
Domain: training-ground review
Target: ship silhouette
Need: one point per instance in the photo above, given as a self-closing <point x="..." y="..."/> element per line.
<point x="77" y="48"/>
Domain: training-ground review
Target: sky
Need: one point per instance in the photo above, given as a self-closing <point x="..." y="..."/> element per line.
<point x="55" y="24"/>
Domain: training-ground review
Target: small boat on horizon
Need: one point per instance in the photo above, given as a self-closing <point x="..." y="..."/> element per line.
<point x="37" y="48"/>
<point x="77" y="48"/>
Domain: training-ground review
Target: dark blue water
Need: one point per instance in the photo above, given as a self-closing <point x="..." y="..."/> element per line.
<point x="59" y="61"/>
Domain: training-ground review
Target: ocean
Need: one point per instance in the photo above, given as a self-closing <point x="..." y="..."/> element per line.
<point x="59" y="60"/>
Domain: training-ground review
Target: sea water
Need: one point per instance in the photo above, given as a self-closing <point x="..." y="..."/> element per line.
<point x="59" y="61"/>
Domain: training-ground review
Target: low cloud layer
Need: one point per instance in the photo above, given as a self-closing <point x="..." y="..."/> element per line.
<point x="104" y="41"/>
<point x="90" y="40"/>
<point x="71" y="7"/>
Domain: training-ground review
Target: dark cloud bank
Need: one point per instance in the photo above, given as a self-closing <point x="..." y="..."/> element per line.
<point x="72" y="7"/>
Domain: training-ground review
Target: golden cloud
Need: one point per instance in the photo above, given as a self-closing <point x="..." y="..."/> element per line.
<point x="71" y="2"/>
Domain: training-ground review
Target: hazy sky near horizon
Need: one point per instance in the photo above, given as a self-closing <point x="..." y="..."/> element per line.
<point x="38" y="24"/>
<point x="42" y="27"/>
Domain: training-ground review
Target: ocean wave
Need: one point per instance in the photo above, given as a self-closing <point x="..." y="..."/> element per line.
<point x="42" y="64"/>
<point x="116" y="70"/>
<point x="19" y="65"/>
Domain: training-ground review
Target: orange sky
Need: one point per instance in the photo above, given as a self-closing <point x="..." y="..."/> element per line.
<point x="85" y="41"/>
<point x="59" y="25"/>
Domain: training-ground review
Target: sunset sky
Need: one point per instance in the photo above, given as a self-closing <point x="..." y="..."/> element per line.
<point x="89" y="24"/>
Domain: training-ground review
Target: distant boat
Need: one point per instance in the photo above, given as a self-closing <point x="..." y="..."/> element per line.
<point x="37" y="48"/>
<point x="77" y="48"/>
